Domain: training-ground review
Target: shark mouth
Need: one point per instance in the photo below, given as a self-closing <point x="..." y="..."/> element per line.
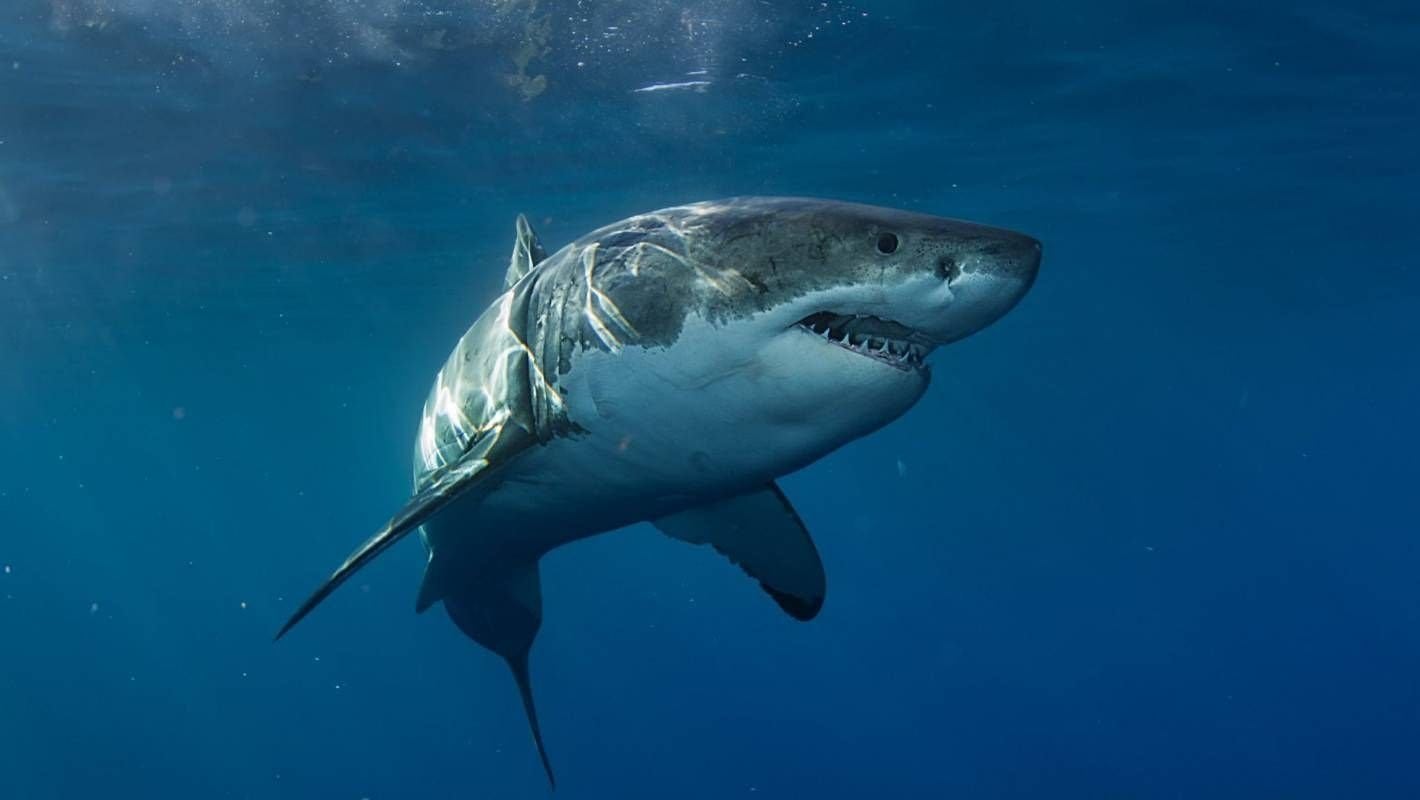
<point x="883" y="340"/>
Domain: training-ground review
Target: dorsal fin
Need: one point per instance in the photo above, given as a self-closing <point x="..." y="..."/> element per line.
<point x="527" y="252"/>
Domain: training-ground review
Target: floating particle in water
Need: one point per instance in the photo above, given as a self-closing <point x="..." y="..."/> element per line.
<point x="93" y="608"/>
<point x="901" y="469"/>
<point x="7" y="569"/>
<point x="244" y="604"/>
<point x="179" y="413"/>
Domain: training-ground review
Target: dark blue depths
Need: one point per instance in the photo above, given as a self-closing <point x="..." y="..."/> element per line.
<point x="1152" y="535"/>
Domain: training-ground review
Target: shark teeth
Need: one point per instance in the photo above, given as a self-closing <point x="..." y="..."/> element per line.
<point x="882" y="340"/>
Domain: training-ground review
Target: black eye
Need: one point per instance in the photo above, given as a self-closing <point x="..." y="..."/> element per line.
<point x="887" y="243"/>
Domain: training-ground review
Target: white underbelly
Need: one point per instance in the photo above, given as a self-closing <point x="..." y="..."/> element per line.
<point x="660" y="430"/>
<point x="643" y="452"/>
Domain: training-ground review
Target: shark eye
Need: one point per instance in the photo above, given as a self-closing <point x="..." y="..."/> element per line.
<point x="887" y="243"/>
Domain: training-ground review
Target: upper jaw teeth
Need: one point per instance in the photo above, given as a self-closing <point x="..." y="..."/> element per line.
<point x="845" y="332"/>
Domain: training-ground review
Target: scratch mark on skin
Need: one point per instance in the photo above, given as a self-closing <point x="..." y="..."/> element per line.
<point x="722" y="280"/>
<point x="598" y="303"/>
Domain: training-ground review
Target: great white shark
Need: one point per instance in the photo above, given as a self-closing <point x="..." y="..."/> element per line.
<point x="669" y="368"/>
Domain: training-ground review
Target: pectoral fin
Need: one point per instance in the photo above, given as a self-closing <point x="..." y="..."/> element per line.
<point x="763" y="534"/>
<point x="481" y="460"/>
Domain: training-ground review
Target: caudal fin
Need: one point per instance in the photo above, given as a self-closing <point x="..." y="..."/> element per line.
<point x="502" y="610"/>
<point x="519" y="665"/>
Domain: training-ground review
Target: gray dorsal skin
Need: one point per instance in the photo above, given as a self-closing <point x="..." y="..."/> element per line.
<point x="669" y="368"/>
<point x="527" y="252"/>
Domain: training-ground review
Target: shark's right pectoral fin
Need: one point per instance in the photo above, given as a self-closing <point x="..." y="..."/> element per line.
<point x="763" y="534"/>
<point x="480" y="461"/>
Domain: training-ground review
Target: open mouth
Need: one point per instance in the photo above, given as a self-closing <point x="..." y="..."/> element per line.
<point x="883" y="340"/>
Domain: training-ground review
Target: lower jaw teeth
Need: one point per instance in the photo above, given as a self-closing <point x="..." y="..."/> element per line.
<point x="897" y="353"/>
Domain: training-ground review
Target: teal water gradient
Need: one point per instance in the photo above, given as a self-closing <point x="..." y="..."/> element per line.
<point x="1153" y="535"/>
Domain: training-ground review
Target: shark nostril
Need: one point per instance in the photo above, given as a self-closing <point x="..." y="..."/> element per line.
<point x="948" y="269"/>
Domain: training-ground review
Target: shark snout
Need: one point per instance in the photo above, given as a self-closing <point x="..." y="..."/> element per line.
<point x="988" y="280"/>
<point x="1016" y="258"/>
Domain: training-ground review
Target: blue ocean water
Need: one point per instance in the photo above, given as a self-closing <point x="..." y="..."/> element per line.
<point x="1154" y="534"/>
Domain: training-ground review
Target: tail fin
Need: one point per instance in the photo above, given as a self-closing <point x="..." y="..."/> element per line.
<point x="519" y="665"/>
<point x="502" y="611"/>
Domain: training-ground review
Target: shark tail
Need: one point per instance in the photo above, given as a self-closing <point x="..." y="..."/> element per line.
<point x="520" y="675"/>
<point x="500" y="607"/>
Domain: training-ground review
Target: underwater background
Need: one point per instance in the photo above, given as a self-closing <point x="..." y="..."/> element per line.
<point x="1154" y="534"/>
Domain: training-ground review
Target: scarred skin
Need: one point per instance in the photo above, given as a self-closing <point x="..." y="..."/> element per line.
<point x="635" y="283"/>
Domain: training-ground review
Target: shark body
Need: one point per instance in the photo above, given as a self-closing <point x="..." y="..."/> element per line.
<point x="669" y="368"/>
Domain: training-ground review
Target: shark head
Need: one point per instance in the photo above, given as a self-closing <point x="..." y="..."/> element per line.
<point x="850" y="300"/>
<point x="808" y="320"/>
<point x="880" y="284"/>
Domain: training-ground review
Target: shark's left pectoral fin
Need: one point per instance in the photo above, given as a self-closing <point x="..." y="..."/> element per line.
<point x="762" y="533"/>
<point x="482" y="459"/>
